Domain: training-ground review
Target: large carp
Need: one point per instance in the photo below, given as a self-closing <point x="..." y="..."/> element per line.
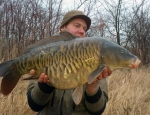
<point x="68" y="64"/>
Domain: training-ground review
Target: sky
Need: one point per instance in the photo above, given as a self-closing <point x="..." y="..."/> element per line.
<point x="70" y="3"/>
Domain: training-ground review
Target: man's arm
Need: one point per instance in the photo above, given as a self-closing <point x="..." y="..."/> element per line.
<point x="96" y="95"/>
<point x="96" y="103"/>
<point x="39" y="93"/>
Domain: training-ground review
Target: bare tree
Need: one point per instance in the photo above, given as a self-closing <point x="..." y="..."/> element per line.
<point x="26" y="21"/>
<point x="138" y="32"/>
<point x="114" y="9"/>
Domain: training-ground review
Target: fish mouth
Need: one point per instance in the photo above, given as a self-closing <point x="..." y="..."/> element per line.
<point x="135" y="63"/>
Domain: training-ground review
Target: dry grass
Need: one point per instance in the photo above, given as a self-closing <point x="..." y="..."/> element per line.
<point x="16" y="102"/>
<point x="128" y="91"/>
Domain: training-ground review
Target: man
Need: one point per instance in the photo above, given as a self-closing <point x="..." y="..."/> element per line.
<point x="47" y="100"/>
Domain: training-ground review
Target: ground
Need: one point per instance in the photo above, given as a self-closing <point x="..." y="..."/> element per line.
<point x="129" y="94"/>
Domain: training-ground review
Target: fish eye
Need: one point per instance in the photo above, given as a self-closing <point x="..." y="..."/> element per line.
<point x="122" y="52"/>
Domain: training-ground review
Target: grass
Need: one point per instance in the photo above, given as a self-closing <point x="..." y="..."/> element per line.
<point x="129" y="94"/>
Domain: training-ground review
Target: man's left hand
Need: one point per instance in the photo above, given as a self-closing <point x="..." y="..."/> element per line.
<point x="93" y="87"/>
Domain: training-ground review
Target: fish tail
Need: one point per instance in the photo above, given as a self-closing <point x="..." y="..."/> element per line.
<point x="9" y="80"/>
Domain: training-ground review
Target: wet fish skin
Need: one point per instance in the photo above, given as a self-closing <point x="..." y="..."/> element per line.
<point x="116" y="57"/>
<point x="68" y="64"/>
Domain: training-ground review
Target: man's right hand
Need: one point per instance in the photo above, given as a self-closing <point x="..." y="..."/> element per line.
<point x="43" y="77"/>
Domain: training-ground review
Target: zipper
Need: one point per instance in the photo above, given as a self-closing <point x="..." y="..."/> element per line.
<point x="61" y="103"/>
<point x="52" y="103"/>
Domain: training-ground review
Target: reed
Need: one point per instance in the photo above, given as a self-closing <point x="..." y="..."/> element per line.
<point x="129" y="94"/>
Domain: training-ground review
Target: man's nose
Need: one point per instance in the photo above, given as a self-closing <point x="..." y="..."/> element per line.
<point x="82" y="31"/>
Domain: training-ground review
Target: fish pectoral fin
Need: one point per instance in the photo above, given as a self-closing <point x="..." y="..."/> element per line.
<point x="95" y="74"/>
<point x="28" y="77"/>
<point x="77" y="94"/>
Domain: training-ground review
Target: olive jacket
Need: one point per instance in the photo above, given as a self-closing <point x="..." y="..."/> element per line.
<point x="47" y="100"/>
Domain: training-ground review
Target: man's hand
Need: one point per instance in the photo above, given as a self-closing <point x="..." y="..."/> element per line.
<point x="43" y="77"/>
<point x="93" y="87"/>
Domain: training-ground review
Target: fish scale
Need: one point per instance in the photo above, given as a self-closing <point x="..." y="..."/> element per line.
<point x="68" y="64"/>
<point x="70" y="67"/>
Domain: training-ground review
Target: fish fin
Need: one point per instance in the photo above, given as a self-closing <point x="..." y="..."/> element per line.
<point x="28" y="77"/>
<point x="36" y="44"/>
<point x="95" y="74"/>
<point x="77" y="94"/>
<point x="43" y="42"/>
<point x="9" y="80"/>
<point x="3" y="67"/>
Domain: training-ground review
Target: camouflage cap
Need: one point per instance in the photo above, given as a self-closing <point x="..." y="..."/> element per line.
<point x="73" y="14"/>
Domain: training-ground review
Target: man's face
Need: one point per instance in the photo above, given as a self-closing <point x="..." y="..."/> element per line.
<point x="77" y="27"/>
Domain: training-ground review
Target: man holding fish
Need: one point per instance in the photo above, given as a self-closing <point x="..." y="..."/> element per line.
<point x="70" y="69"/>
<point x="48" y="100"/>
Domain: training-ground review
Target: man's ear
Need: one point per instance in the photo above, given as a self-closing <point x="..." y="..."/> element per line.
<point x="63" y="28"/>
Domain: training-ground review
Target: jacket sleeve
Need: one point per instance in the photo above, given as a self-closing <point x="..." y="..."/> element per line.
<point x="96" y="104"/>
<point x="38" y="95"/>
